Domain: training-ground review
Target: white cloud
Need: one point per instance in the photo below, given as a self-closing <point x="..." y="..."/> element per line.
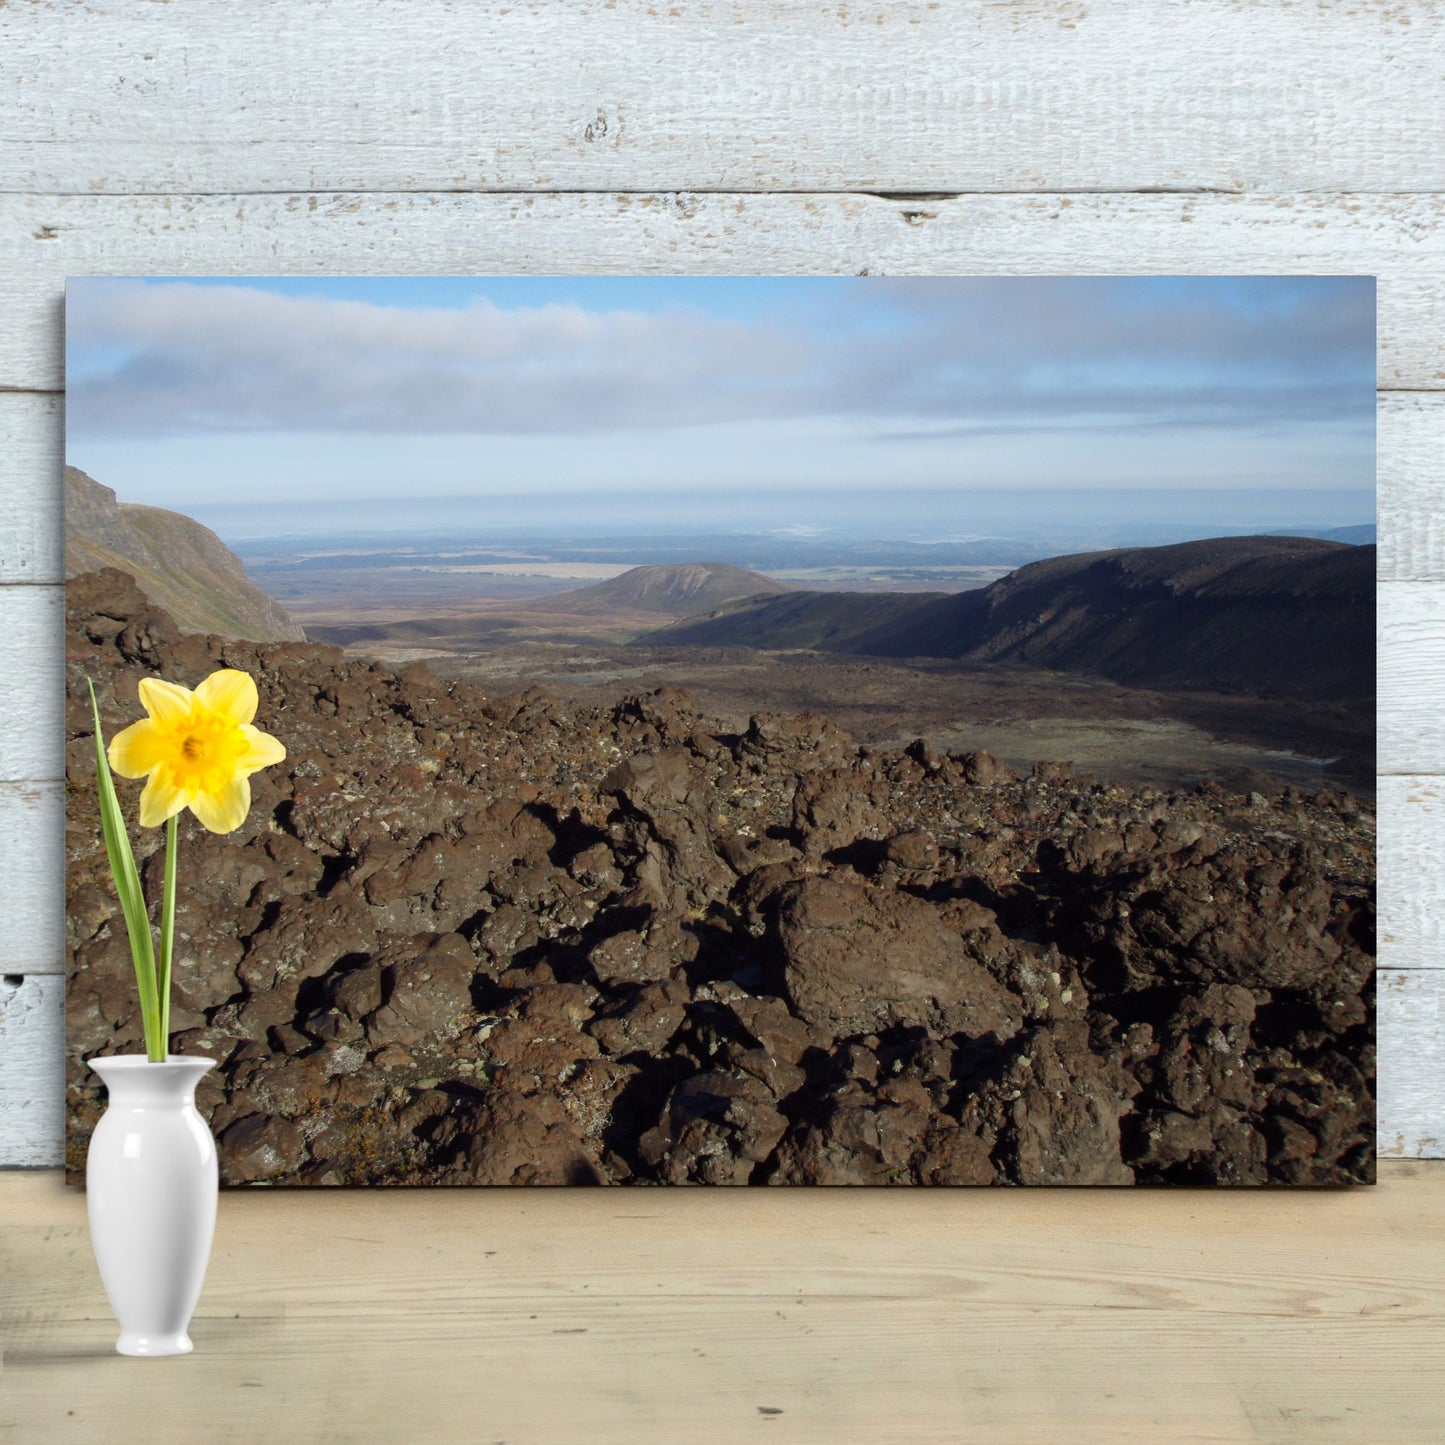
<point x="156" y="359"/>
<point x="179" y="357"/>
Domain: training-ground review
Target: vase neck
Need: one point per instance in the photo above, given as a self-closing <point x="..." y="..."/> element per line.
<point x="133" y="1080"/>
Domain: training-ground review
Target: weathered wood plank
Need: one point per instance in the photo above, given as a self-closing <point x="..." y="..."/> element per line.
<point x="1411" y="865"/>
<point x="32" y="665"/>
<point x="1411" y="1043"/>
<point x="776" y="1315"/>
<point x="32" y="1066"/>
<point x="772" y="95"/>
<point x="1411" y="676"/>
<point x="32" y="453"/>
<point x="1399" y="239"/>
<point x="1411" y="487"/>
<point x="32" y="877"/>
<point x="1410" y="501"/>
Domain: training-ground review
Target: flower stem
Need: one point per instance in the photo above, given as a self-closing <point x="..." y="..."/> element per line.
<point x="168" y="933"/>
<point x="128" y="890"/>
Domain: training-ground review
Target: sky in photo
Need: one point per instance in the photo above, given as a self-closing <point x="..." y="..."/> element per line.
<point x="653" y="394"/>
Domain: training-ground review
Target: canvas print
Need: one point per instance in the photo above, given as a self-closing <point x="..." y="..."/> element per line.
<point x="834" y="731"/>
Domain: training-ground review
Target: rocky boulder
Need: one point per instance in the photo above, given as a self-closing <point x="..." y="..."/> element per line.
<point x="862" y="959"/>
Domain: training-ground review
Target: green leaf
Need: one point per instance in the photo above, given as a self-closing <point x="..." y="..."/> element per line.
<point x="128" y="890"/>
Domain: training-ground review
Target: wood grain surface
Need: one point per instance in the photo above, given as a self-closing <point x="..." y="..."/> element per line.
<point x="821" y="1316"/>
<point x="1411" y="1041"/>
<point x="762" y="95"/>
<point x="32" y="1066"/>
<point x="786" y="136"/>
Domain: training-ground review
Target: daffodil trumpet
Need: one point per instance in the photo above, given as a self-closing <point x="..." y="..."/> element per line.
<point x="197" y="750"/>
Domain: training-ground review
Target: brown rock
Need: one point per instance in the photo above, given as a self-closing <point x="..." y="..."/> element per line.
<point x="427" y="986"/>
<point x="915" y="850"/>
<point x="776" y="1030"/>
<point x="983" y="769"/>
<point x="358" y="991"/>
<point x="835" y="807"/>
<point x="949" y="1154"/>
<point x="860" y="958"/>
<point x="260" y="1147"/>
<point x="651" y="783"/>
<point x="628" y="957"/>
<point x="517" y="1138"/>
<point x="864" y="1141"/>
<point x="643" y="1022"/>
<point x="1059" y="1105"/>
<point x="508" y="931"/>
<point x="716" y="1128"/>
<point x="1205" y="1042"/>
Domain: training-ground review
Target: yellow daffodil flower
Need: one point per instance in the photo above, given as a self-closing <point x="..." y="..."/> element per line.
<point x="198" y="750"/>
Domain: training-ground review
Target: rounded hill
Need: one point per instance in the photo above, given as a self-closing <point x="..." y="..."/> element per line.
<point x="686" y="589"/>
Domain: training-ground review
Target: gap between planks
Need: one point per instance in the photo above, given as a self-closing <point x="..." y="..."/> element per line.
<point x="905" y="198"/>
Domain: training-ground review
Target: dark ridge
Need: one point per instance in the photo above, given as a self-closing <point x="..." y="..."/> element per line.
<point x="1257" y="616"/>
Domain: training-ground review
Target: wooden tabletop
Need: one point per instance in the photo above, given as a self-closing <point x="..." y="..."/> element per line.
<point x="779" y="1315"/>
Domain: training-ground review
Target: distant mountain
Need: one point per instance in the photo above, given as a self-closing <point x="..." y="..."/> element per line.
<point x="1261" y="616"/>
<point x="686" y="589"/>
<point x="180" y="565"/>
<point x="814" y="621"/>
<point x="1361" y="535"/>
<point x="615" y="610"/>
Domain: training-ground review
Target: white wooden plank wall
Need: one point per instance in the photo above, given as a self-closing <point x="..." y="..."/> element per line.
<point x="762" y="136"/>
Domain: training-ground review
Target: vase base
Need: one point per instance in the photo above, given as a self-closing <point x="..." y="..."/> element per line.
<point x="154" y="1346"/>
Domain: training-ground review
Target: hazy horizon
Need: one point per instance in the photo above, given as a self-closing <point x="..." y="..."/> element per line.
<point x="276" y="407"/>
<point x="917" y="516"/>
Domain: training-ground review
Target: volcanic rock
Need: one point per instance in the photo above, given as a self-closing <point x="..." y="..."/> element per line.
<point x="860" y="959"/>
<point x="426" y="988"/>
<point x="466" y="939"/>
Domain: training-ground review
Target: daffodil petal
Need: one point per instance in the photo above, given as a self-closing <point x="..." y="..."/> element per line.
<point x="230" y="692"/>
<point x="224" y="809"/>
<point x="167" y="702"/>
<point x="139" y="749"/>
<point x="161" y="799"/>
<point x="262" y="750"/>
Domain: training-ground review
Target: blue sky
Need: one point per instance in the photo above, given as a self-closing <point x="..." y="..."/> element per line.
<point x="229" y="391"/>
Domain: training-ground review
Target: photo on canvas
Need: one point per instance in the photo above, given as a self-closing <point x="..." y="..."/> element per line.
<point x="743" y="730"/>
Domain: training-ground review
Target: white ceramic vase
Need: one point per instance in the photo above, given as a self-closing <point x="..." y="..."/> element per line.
<point x="150" y="1182"/>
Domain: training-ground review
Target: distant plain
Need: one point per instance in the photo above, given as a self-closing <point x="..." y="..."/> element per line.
<point x="490" y="615"/>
